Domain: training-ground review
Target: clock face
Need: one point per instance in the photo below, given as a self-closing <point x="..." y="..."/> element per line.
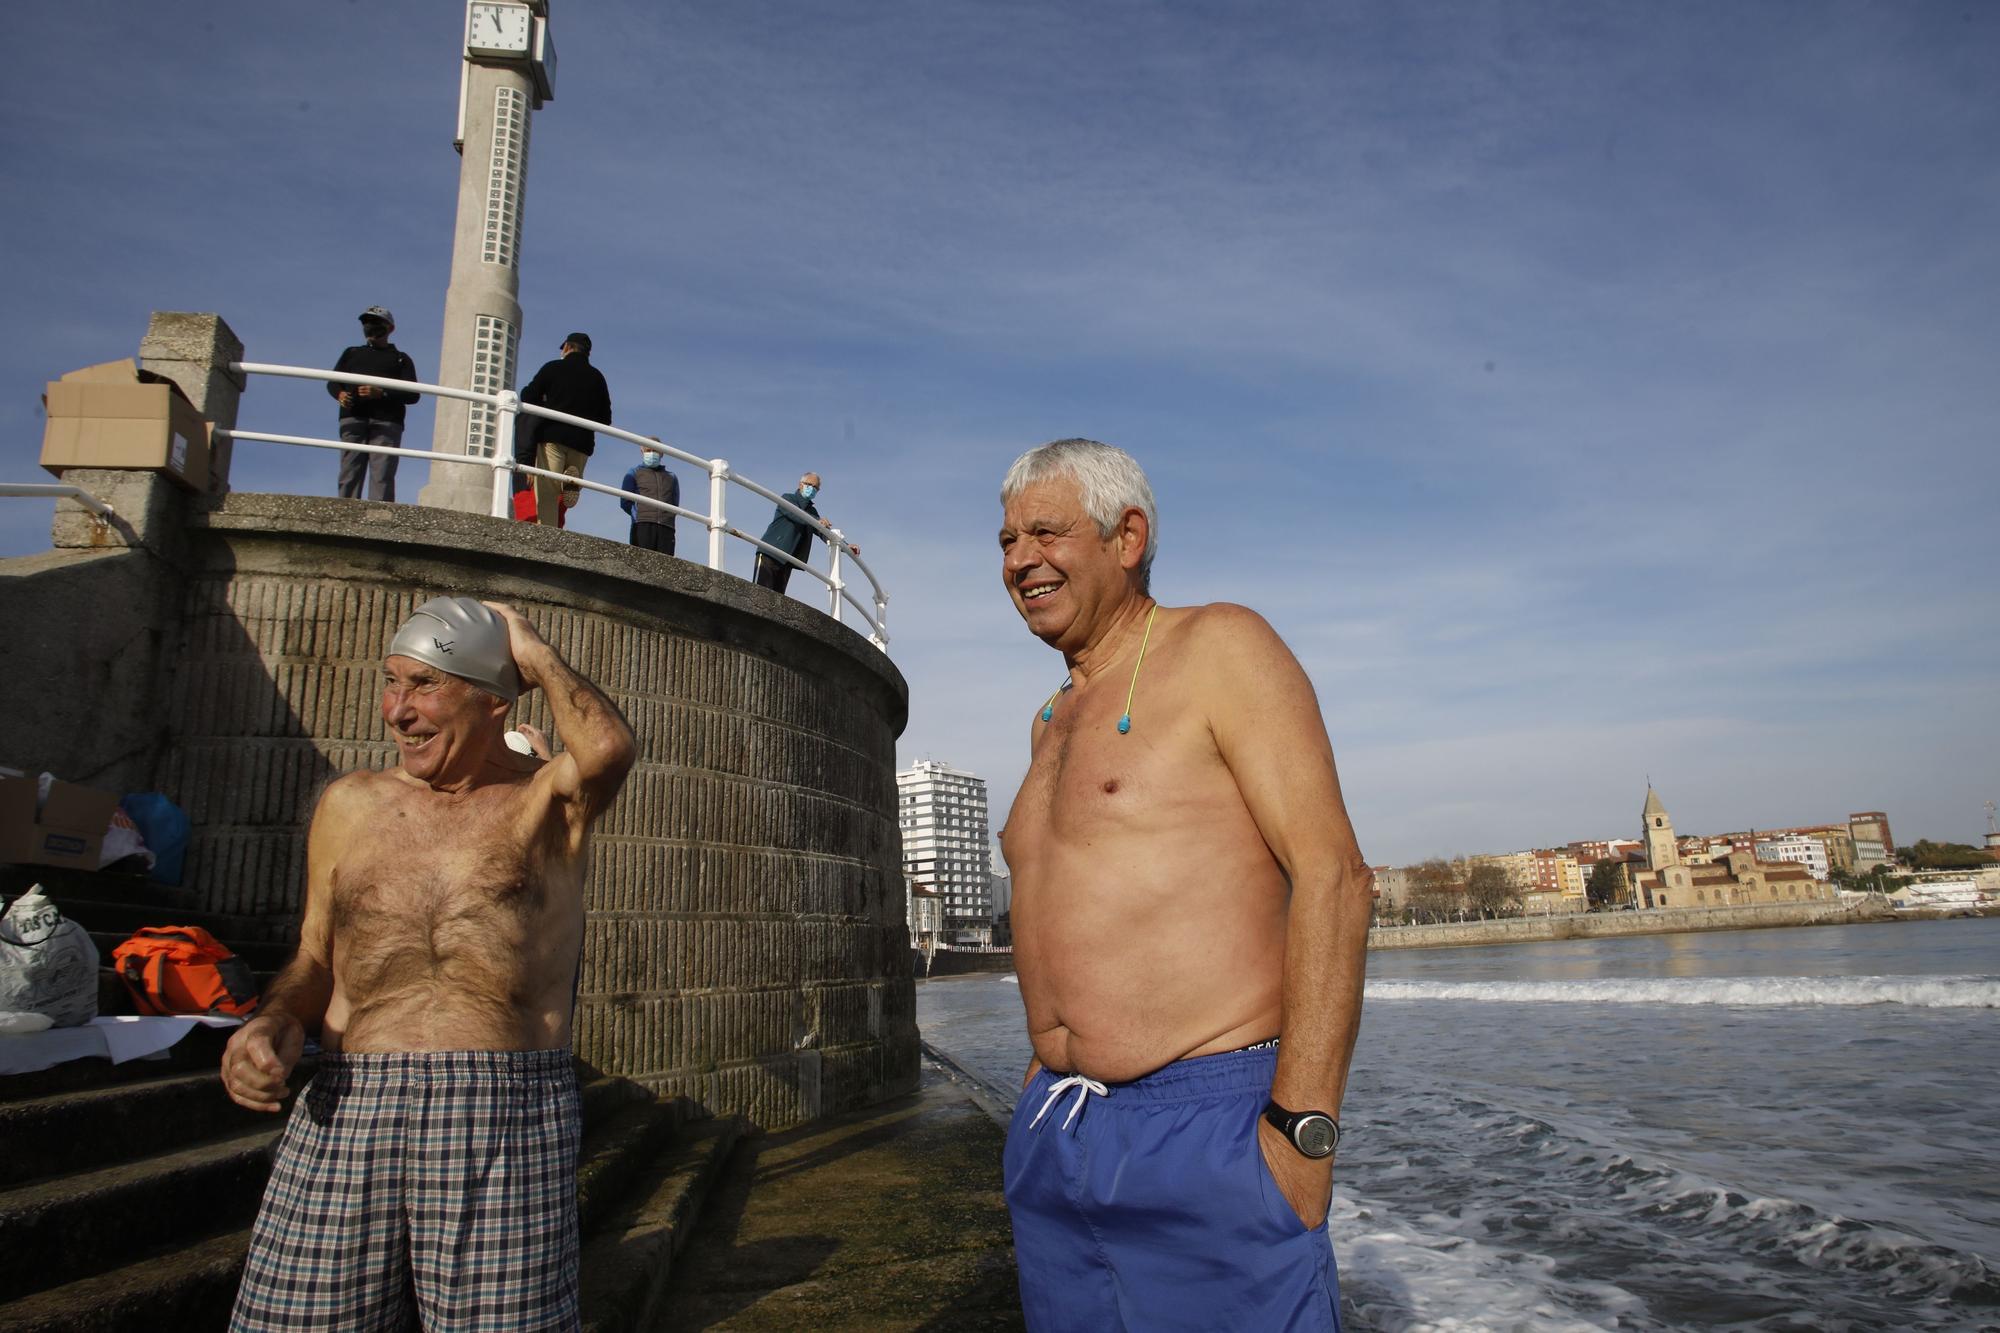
<point x="497" y="29"/>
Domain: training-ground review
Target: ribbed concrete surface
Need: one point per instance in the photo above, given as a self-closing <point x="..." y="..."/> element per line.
<point x="745" y="945"/>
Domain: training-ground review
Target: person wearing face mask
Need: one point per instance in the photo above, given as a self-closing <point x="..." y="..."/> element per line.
<point x="370" y="414"/>
<point x="652" y="528"/>
<point x="787" y="533"/>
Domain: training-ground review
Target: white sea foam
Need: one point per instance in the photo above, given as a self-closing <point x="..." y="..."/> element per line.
<point x="1407" y="1275"/>
<point x="1927" y="992"/>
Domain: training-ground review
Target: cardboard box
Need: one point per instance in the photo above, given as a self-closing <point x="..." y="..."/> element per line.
<point x="68" y="832"/>
<point x="118" y="416"/>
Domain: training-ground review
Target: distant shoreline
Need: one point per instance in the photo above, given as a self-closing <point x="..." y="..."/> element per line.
<point x="1545" y="929"/>
<point x="1657" y="921"/>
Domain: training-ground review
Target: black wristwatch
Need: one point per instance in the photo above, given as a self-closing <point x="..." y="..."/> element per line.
<point x="1313" y="1133"/>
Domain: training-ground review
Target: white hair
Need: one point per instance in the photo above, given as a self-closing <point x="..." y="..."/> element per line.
<point x="1110" y="480"/>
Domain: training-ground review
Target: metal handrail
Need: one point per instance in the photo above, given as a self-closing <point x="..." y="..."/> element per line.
<point x="56" y="490"/>
<point x="508" y="405"/>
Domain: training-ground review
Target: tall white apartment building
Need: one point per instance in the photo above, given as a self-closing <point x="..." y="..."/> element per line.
<point x="945" y="845"/>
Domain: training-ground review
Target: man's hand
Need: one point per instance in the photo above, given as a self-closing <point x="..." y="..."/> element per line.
<point x="527" y="646"/>
<point x="259" y="1058"/>
<point x="347" y="397"/>
<point x="1306" y="1184"/>
<point x="367" y="390"/>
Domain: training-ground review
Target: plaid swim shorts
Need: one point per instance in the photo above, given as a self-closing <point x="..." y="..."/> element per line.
<point x="432" y="1184"/>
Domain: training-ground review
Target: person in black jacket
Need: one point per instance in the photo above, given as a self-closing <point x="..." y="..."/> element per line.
<point x="789" y="534"/>
<point x="369" y="414"/>
<point x="568" y="384"/>
<point x="652" y="528"/>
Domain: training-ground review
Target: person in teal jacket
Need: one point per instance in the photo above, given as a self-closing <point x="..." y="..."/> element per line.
<point x="788" y="534"/>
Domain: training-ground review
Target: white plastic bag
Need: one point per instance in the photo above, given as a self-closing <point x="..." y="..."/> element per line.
<point x="48" y="966"/>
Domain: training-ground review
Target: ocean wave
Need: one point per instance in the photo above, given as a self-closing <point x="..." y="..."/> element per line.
<point x="1925" y="992"/>
<point x="1576" y="1232"/>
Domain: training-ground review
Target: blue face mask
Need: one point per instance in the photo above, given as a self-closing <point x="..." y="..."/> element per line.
<point x="809" y="490"/>
<point x="649" y="459"/>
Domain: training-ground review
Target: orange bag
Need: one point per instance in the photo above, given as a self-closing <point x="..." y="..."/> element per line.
<point x="184" y="970"/>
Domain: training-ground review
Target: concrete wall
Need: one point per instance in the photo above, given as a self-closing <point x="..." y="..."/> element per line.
<point x="745" y="943"/>
<point x="1665" y="921"/>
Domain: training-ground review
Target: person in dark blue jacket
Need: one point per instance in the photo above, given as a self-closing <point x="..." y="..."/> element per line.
<point x="370" y="414"/>
<point x="567" y="384"/>
<point x="788" y="534"/>
<point x="652" y="528"/>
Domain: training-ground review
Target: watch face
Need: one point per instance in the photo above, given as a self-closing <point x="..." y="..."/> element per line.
<point x="1315" y="1135"/>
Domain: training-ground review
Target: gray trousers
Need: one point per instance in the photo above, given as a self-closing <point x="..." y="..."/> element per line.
<point x="379" y="469"/>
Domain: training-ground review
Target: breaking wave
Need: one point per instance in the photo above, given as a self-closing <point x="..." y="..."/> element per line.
<point x="1926" y="992"/>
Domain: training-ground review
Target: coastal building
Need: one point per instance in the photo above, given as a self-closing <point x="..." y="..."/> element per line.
<point x="1557" y="881"/>
<point x="1000" y="887"/>
<point x="1590" y="851"/>
<point x="1798" y="849"/>
<point x="1730" y="881"/>
<point x="1518" y="867"/>
<point x="1740" y="880"/>
<point x="1392" y="890"/>
<point x="1871" y="826"/>
<point x="923" y="908"/>
<point x="1657" y="830"/>
<point x="1625" y="864"/>
<point x="1869" y="853"/>
<point x="942" y="811"/>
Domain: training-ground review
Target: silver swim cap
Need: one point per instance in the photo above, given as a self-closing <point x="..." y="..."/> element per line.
<point x="463" y="637"/>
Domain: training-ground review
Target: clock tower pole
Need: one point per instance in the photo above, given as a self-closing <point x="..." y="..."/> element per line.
<point x="507" y="73"/>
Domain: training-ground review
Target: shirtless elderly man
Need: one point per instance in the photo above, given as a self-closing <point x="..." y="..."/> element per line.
<point x="1190" y="914"/>
<point x="434" y="1153"/>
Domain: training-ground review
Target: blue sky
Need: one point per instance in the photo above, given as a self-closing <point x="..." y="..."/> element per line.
<point x="1586" y="391"/>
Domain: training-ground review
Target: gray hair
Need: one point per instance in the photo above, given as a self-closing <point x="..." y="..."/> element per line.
<point x="1111" y="481"/>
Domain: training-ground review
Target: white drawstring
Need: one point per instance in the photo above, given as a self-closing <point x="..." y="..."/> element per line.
<point x="1084" y="1087"/>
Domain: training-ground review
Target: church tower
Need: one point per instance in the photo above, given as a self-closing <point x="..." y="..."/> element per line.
<point x="1661" y="848"/>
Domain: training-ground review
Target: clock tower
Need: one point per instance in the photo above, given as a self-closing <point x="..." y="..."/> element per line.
<point x="507" y="73"/>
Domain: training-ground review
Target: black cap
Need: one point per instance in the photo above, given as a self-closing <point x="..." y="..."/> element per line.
<point x="580" y="341"/>
<point x="376" y="312"/>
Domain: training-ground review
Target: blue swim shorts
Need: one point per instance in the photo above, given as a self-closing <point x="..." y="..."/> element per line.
<point x="1147" y="1205"/>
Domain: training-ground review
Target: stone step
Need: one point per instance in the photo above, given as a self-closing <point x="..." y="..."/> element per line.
<point x="188" y="1287"/>
<point x="627" y="1262"/>
<point x="120" y="1122"/>
<point x="81" y="1250"/>
<point x="96" y="886"/>
<point x="614" y="1156"/>
<point x="68" y="1227"/>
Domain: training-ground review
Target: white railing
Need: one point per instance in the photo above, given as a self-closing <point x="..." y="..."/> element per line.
<point x="56" y="491"/>
<point x="508" y="406"/>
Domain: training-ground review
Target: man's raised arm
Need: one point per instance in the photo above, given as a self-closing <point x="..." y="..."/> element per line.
<point x="260" y="1055"/>
<point x="1275" y="743"/>
<point x="598" y="748"/>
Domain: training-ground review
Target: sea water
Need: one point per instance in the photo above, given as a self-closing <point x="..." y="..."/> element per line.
<point x="1771" y="1130"/>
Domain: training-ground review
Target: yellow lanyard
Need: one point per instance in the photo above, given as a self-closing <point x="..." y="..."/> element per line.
<point x="1125" y="721"/>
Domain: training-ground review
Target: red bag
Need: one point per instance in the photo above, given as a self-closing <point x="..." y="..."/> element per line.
<point x="184" y="970"/>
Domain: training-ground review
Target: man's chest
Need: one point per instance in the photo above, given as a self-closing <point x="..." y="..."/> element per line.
<point x="423" y="862"/>
<point x="1088" y="781"/>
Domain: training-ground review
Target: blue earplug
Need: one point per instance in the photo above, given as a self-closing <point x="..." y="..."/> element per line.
<point x="1124" y="724"/>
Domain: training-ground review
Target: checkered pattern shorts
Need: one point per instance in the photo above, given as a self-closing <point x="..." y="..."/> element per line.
<point x="434" y="1184"/>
